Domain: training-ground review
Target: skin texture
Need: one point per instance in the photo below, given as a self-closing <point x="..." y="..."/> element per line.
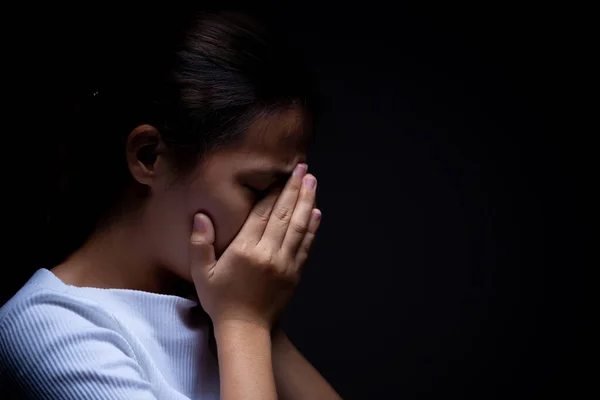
<point x="149" y="249"/>
<point x="248" y="286"/>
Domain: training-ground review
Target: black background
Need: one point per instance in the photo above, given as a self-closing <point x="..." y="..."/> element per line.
<point x="447" y="264"/>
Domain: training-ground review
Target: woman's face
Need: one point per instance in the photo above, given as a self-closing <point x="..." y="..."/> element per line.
<point x="225" y="187"/>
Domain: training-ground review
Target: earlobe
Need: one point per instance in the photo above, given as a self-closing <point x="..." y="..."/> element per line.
<point x="143" y="149"/>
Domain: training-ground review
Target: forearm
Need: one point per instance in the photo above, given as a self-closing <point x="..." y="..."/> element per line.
<point x="245" y="361"/>
<point x="295" y="377"/>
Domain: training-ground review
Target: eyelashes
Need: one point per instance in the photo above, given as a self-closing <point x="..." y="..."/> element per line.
<point x="257" y="192"/>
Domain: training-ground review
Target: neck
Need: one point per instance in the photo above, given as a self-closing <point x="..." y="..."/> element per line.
<point x="120" y="257"/>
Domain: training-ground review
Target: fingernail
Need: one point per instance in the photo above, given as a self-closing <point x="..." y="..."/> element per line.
<point x="300" y="168"/>
<point x="317" y="215"/>
<point x="310" y="182"/>
<point x="199" y="224"/>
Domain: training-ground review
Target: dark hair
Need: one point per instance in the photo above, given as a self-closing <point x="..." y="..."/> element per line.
<point x="200" y="78"/>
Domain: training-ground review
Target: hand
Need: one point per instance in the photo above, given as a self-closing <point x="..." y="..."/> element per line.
<point x="256" y="275"/>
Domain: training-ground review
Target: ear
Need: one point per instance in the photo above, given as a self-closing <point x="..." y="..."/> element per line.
<point x="145" y="154"/>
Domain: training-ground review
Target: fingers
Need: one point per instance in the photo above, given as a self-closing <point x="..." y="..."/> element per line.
<point x="309" y="238"/>
<point x="298" y="225"/>
<point x="254" y="226"/>
<point x="202" y="251"/>
<point x="284" y="208"/>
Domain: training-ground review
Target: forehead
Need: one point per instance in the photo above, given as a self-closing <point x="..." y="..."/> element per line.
<point x="284" y="131"/>
<point x="280" y="139"/>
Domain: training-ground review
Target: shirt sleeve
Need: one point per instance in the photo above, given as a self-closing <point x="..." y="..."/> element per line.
<point x="55" y="347"/>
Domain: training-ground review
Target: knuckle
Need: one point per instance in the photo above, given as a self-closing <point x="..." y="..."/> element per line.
<point x="261" y="212"/>
<point x="264" y="258"/>
<point x="299" y="228"/>
<point x="241" y="252"/>
<point x="241" y="246"/>
<point x="296" y="185"/>
<point x="283" y="213"/>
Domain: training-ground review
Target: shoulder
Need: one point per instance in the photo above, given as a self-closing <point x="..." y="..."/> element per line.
<point x="42" y="314"/>
<point x="44" y="309"/>
<point x="56" y="345"/>
<point x="34" y="300"/>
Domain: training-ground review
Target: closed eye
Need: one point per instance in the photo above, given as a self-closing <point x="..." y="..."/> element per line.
<point x="260" y="188"/>
<point x="257" y="192"/>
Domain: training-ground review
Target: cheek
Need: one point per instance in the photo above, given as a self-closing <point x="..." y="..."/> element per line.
<point x="171" y="228"/>
<point x="228" y="206"/>
<point x="228" y="213"/>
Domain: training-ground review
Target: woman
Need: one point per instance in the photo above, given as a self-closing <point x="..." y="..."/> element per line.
<point x="205" y="150"/>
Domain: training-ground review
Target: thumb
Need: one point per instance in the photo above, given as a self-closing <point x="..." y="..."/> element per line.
<point x="202" y="251"/>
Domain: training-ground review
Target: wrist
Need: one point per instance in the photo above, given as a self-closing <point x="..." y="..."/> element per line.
<point x="234" y="329"/>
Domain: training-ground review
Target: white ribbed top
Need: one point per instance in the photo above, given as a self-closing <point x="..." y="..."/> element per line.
<point x="64" y="342"/>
